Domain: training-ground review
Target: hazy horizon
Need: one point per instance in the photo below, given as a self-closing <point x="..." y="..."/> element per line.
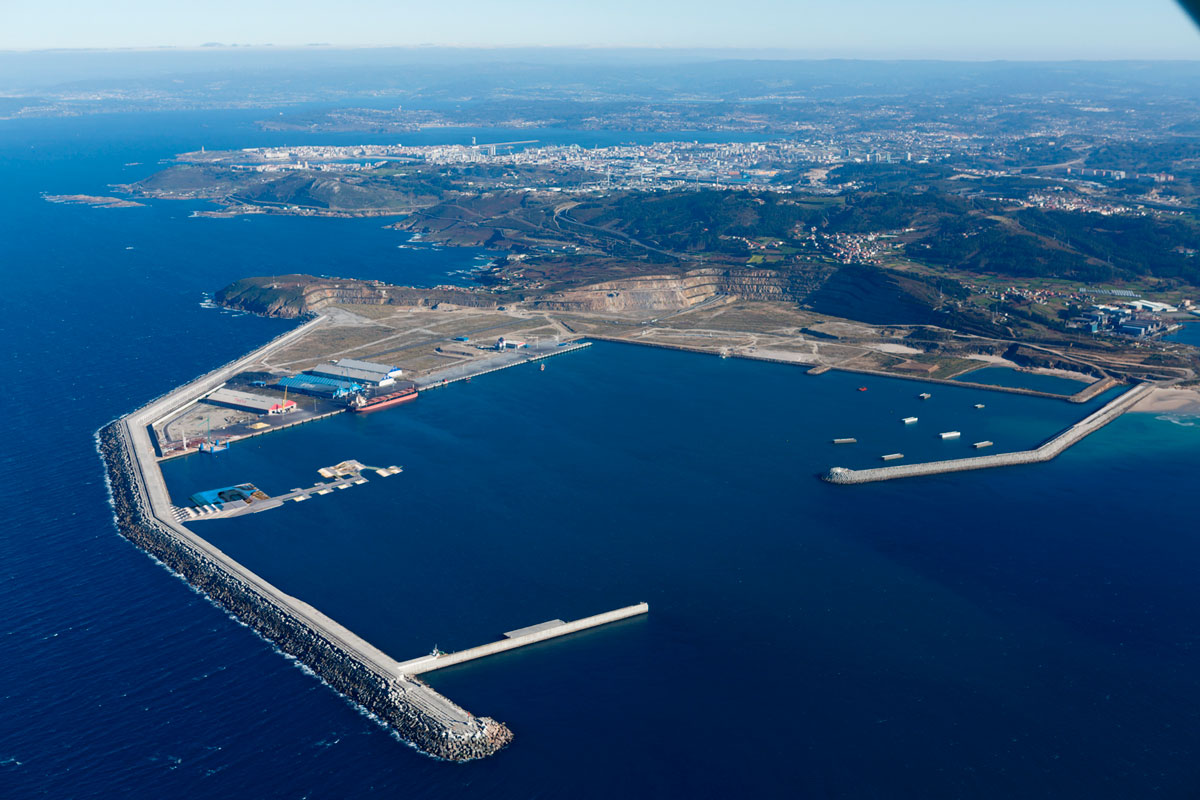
<point x="1023" y="30"/>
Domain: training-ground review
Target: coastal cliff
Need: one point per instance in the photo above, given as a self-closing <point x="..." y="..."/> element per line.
<point x="292" y="296"/>
<point x="410" y="707"/>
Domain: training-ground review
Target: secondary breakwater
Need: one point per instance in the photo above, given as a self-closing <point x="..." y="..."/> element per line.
<point x="1046" y="451"/>
<point x="346" y="662"/>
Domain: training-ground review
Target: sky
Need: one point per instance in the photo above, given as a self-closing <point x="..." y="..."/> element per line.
<point x="938" y="29"/>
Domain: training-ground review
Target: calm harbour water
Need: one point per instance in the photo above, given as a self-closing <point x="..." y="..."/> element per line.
<point x="1006" y="376"/>
<point x="1026" y="632"/>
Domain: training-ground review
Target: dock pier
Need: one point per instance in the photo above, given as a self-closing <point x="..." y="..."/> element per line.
<point x="519" y="638"/>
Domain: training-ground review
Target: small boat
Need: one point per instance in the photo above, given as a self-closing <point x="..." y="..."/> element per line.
<point x="862" y="388"/>
<point x="892" y="456"/>
<point x="542" y="368"/>
<point x="924" y="395"/>
<point x="981" y="445"/>
<point x="980" y="405"/>
<point x="909" y="420"/>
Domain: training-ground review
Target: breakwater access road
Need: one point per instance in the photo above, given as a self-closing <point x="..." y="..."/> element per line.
<point x="1044" y="452"/>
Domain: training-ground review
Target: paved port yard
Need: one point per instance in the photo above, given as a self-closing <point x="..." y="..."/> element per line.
<point x="308" y="409"/>
<point x="501" y="360"/>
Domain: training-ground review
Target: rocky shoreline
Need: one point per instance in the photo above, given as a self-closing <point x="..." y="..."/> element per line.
<point x="411" y="708"/>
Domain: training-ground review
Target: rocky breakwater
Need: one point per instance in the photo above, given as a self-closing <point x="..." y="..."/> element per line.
<point x="366" y="676"/>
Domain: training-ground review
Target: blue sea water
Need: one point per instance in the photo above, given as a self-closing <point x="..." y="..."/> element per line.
<point x="1188" y="334"/>
<point x="1026" y="632"/>
<point x="1006" y="376"/>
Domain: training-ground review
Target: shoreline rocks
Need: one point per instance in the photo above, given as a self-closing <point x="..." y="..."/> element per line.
<point x="405" y="704"/>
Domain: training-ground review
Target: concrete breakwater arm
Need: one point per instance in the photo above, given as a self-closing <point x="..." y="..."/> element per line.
<point x="521" y="638"/>
<point x="1048" y="450"/>
<point x="349" y="664"/>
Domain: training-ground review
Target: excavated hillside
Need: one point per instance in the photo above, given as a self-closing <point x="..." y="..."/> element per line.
<point x="866" y="294"/>
<point x="291" y="296"/>
<point x="675" y="293"/>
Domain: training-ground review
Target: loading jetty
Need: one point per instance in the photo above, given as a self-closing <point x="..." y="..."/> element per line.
<point x="1044" y="452"/>
<point x="368" y="677"/>
<point x="519" y="638"/>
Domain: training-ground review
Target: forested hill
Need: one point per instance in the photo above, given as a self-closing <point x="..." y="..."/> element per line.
<point x="940" y="229"/>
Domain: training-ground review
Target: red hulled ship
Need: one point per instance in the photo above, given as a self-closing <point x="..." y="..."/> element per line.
<point x="359" y="403"/>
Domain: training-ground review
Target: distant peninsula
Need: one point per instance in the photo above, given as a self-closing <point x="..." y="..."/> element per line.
<point x="95" y="201"/>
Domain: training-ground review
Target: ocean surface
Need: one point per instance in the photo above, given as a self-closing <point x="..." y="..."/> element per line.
<point x="1026" y="632"/>
<point x="1188" y="334"/>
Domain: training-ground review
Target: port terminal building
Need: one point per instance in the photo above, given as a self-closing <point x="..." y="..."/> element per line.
<point x="319" y="386"/>
<point x="370" y="366"/>
<point x="364" y="377"/>
<point x="245" y="401"/>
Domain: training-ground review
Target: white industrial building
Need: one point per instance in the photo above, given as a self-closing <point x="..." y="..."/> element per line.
<point x="346" y="373"/>
<point x="370" y="366"/>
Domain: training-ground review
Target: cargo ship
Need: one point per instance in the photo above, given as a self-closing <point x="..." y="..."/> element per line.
<point x="359" y="403"/>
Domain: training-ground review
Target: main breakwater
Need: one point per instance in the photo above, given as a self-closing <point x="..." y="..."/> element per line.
<point x="419" y="714"/>
<point x="349" y="664"/>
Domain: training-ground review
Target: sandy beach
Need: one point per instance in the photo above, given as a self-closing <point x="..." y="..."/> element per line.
<point x="1176" y="401"/>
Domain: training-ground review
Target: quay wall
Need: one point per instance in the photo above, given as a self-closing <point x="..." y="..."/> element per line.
<point x="1048" y="450"/>
<point x="1082" y="396"/>
<point x="429" y="663"/>
<point x="432" y="381"/>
